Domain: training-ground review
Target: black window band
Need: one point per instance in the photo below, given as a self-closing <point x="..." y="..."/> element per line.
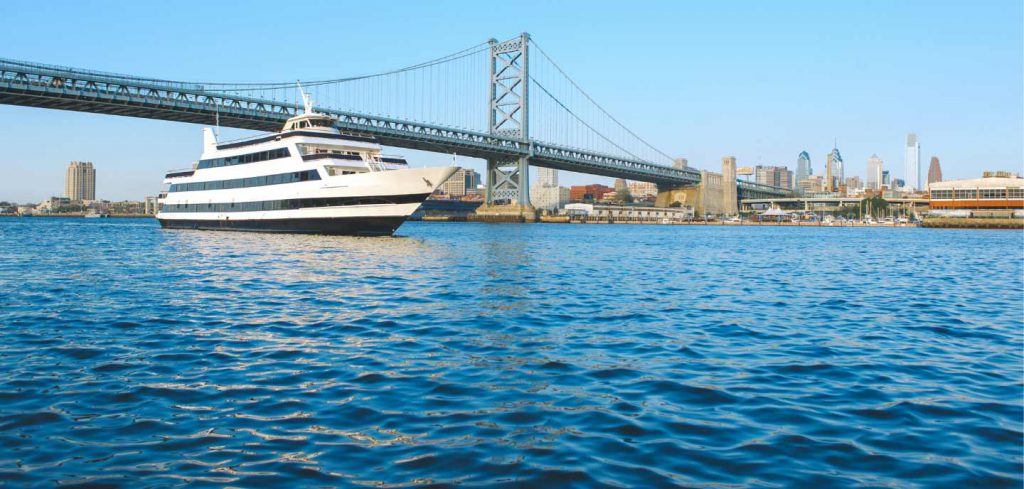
<point x="272" y="137"/>
<point x="290" y="204"/>
<point x="280" y="178"/>
<point x="257" y="157"/>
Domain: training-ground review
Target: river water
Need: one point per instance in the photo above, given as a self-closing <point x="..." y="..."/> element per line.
<point x="510" y="355"/>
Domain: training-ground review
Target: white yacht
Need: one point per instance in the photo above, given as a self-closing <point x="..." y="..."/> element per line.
<point x="309" y="178"/>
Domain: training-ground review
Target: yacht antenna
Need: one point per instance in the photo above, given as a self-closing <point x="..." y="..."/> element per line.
<point x="216" y="129"/>
<point x="306" y="102"/>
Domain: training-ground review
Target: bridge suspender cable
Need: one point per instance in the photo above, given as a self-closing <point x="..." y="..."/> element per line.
<point x="479" y="48"/>
<point x="599" y="107"/>
<point x="573" y="114"/>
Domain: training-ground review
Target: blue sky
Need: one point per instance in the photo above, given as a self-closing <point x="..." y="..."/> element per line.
<point x="758" y="80"/>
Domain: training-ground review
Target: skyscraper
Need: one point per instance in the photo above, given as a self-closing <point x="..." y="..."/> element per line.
<point x="548" y="177"/>
<point x="912" y="163"/>
<point x="834" y="171"/>
<point x="461" y="183"/>
<point x="803" y="167"/>
<point x="776" y="176"/>
<point x="853" y="183"/>
<point x="874" y="178"/>
<point x="80" y="181"/>
<point x="934" y="171"/>
<point x="827" y="184"/>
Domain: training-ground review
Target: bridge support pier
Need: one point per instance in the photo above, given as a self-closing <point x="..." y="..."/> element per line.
<point x="508" y="181"/>
<point x="508" y="193"/>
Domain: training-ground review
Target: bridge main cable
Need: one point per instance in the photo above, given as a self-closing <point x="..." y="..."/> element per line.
<point x="257" y="86"/>
<point x="595" y="104"/>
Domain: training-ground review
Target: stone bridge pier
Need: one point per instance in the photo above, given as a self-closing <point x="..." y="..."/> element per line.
<point x="715" y="194"/>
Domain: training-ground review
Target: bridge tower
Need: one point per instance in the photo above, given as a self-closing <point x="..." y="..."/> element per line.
<point x="509" y="179"/>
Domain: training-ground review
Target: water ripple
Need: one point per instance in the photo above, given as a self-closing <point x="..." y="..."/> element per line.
<point x="476" y="355"/>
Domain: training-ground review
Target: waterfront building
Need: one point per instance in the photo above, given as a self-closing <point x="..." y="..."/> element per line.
<point x="680" y="163"/>
<point x="128" y="207"/>
<point x="620" y="184"/>
<point x="549" y="198"/>
<point x="912" y="163"/>
<point x="642" y="190"/>
<point x="463" y="182"/>
<point x="898" y="183"/>
<point x="629" y="213"/>
<point x="595" y="191"/>
<point x="80" y="181"/>
<point x="803" y="168"/>
<point x="53" y="204"/>
<point x="994" y="190"/>
<point x="730" y="204"/>
<point x="776" y="176"/>
<point x="874" y="177"/>
<point x="934" y="171"/>
<point x="547" y="177"/>
<point x="886" y="182"/>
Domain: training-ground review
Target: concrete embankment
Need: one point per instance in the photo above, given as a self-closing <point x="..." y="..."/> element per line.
<point x="721" y="223"/>
<point x="973" y="223"/>
<point x="504" y="213"/>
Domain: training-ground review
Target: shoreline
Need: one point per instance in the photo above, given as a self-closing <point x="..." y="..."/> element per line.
<point x="931" y="223"/>
<point x="108" y="216"/>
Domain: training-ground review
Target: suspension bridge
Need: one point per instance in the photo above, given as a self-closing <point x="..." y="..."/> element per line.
<point x="536" y="115"/>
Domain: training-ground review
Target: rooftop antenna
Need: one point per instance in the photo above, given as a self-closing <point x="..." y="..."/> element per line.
<point x="306" y="102"/>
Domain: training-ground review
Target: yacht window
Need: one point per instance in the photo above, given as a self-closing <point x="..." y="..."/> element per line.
<point x="241" y="159"/>
<point x="303" y="176"/>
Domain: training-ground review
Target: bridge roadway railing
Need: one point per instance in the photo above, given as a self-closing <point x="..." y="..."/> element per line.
<point x="47" y="86"/>
<point x="750" y="190"/>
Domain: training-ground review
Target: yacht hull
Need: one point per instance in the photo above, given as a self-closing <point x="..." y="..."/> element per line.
<point x="347" y="226"/>
<point x="368" y="204"/>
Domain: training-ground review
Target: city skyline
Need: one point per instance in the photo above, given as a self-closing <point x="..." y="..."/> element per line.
<point x="691" y="109"/>
<point x="783" y="176"/>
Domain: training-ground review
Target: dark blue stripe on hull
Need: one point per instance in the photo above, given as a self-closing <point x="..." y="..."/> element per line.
<point x="349" y="226"/>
